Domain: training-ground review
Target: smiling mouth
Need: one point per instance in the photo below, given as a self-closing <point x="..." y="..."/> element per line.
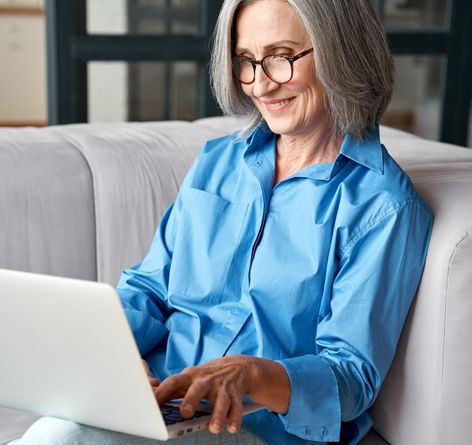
<point x="278" y="105"/>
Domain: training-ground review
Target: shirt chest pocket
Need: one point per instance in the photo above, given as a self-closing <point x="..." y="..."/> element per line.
<point x="208" y="235"/>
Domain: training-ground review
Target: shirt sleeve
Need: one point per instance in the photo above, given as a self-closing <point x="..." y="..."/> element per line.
<point x="143" y="289"/>
<point x="378" y="275"/>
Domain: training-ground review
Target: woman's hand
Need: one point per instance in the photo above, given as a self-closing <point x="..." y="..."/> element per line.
<point x="152" y="380"/>
<point x="225" y="381"/>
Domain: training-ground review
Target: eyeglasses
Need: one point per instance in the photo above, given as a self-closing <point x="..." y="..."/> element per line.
<point x="277" y="68"/>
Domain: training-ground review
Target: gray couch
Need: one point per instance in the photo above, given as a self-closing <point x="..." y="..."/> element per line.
<point x="84" y="200"/>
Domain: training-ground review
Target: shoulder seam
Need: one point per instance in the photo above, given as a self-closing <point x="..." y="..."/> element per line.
<point x="374" y="221"/>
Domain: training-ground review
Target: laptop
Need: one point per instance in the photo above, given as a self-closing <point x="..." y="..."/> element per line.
<point x="67" y="351"/>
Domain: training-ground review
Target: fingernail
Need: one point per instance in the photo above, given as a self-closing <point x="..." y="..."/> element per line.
<point x="188" y="408"/>
<point x="216" y="425"/>
<point x="233" y="428"/>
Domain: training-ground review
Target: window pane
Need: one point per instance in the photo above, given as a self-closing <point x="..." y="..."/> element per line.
<point x="144" y="91"/>
<point x="414" y="14"/>
<point x="144" y="16"/>
<point x="417" y="99"/>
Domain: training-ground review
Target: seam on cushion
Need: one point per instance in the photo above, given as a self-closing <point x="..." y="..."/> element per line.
<point x="77" y="145"/>
<point x="443" y="349"/>
<point x="72" y="142"/>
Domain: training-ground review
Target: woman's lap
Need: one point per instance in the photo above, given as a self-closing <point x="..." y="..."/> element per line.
<point x="50" y="431"/>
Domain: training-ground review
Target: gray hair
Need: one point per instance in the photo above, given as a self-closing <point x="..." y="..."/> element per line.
<point x="351" y="56"/>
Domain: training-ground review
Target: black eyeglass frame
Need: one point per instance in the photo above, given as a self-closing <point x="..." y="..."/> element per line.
<point x="255" y="62"/>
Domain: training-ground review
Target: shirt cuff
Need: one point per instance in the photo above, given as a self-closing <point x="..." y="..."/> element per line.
<point x="314" y="412"/>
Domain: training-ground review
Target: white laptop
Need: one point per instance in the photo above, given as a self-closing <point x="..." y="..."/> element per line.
<point x="66" y="351"/>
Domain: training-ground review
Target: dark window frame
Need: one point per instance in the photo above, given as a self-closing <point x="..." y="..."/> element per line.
<point x="70" y="48"/>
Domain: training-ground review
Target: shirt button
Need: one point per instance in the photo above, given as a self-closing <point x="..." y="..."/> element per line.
<point x="323" y="432"/>
<point x="258" y="163"/>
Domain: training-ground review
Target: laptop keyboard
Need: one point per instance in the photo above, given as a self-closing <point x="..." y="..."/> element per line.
<point x="172" y="415"/>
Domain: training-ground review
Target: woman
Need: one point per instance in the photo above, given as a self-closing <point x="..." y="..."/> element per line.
<point x="285" y="269"/>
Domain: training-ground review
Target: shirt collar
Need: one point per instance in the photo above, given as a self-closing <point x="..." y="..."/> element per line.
<point x="260" y="146"/>
<point x="258" y="136"/>
<point x="367" y="152"/>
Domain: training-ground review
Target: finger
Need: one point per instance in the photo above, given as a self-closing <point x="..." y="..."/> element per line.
<point x="172" y="388"/>
<point x="146" y="368"/>
<point x="235" y="415"/>
<point x="221" y="407"/>
<point x="154" y="382"/>
<point x="197" y="391"/>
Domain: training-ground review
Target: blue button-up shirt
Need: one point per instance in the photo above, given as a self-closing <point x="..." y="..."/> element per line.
<point x="317" y="272"/>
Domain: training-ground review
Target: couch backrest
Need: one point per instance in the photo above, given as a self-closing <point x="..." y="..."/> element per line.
<point x="84" y="200"/>
<point x="47" y="222"/>
<point x="427" y="396"/>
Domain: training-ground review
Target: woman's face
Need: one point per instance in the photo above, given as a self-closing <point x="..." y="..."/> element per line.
<point x="273" y="27"/>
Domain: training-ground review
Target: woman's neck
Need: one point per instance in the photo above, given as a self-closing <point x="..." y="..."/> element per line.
<point x="295" y="153"/>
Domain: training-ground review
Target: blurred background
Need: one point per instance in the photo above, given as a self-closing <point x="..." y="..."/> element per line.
<point x="64" y="61"/>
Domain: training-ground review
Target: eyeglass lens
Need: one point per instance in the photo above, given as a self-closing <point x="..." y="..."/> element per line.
<point x="277" y="68"/>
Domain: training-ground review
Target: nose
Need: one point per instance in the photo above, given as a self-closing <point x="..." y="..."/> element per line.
<point x="263" y="84"/>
